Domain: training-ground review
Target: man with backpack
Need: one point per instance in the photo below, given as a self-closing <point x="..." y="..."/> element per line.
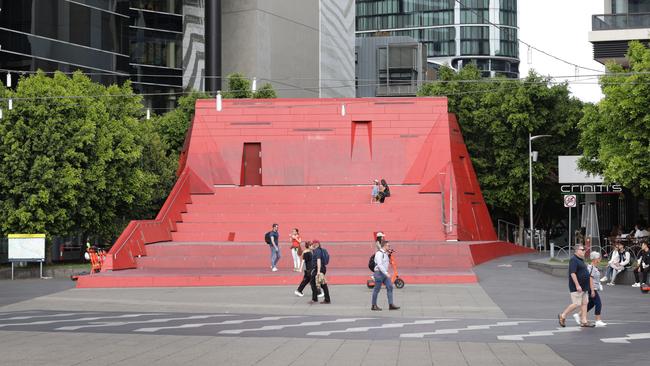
<point x="320" y="260"/>
<point x="381" y="275"/>
<point x="271" y="238"/>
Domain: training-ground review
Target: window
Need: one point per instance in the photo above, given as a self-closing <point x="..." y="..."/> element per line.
<point x="474" y="41"/>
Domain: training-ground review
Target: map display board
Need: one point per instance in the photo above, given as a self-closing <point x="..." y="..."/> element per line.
<point x="26" y="247"/>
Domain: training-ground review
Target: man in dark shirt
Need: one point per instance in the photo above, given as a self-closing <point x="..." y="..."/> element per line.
<point x="578" y="287"/>
<point x="319" y="267"/>
<point x="272" y="240"/>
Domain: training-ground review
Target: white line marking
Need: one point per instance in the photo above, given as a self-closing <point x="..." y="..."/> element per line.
<point x="117" y="324"/>
<point x="469" y="327"/>
<point x="539" y="333"/>
<point x="282" y="326"/>
<point x="25" y="317"/>
<point x="227" y="322"/>
<point x="42" y="322"/>
<point x="383" y="326"/>
<point x="630" y="337"/>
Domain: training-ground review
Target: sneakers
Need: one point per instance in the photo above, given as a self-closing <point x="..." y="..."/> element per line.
<point x="298" y="293"/>
<point x="600" y="323"/>
<point x="637" y="284"/>
<point x="610" y="284"/>
<point x="603" y="279"/>
<point x="577" y="318"/>
<point x="321" y="294"/>
<point x="274" y="269"/>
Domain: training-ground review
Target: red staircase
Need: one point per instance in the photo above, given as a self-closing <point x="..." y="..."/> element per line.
<point x="329" y="213"/>
<point x="303" y="163"/>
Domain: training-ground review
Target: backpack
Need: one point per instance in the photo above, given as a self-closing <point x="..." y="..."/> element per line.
<point x="325" y="256"/>
<point x="267" y="238"/>
<point x="371" y="263"/>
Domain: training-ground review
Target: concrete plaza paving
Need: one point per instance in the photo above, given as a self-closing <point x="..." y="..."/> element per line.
<point x="506" y="319"/>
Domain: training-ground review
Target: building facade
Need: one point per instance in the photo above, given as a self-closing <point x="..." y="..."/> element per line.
<point x="389" y="66"/>
<point x="304" y="48"/>
<point x="623" y="21"/>
<point x="483" y="32"/>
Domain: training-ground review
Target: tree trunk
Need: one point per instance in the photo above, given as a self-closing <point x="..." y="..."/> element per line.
<point x="520" y="232"/>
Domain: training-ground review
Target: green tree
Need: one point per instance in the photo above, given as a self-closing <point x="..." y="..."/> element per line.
<point x="172" y="126"/>
<point x="239" y="86"/>
<point x="73" y="157"/>
<point x="496" y="116"/>
<point x="265" y="92"/>
<point x="615" y="133"/>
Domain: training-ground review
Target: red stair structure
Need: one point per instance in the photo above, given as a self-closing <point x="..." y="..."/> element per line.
<point x="309" y="164"/>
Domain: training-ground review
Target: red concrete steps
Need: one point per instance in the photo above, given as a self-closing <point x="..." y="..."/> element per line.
<point x="334" y="236"/>
<point x="343" y="255"/>
<point x="256" y="277"/>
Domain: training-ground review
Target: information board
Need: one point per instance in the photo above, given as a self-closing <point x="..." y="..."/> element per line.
<point x="26" y="247"/>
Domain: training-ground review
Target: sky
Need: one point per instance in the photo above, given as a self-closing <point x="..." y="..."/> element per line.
<point x="561" y="28"/>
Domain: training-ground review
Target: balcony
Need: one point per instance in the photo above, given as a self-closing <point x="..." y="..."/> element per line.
<point x="397" y="90"/>
<point x="602" y="22"/>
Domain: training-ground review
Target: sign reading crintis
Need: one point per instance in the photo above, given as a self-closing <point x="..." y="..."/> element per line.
<point x="592" y="188"/>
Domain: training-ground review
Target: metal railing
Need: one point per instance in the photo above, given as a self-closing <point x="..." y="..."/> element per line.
<point x="620" y="21"/>
<point x="507" y="231"/>
<point x="397" y="90"/>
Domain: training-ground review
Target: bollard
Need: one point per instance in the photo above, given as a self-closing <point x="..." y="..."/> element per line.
<point x="552" y="249"/>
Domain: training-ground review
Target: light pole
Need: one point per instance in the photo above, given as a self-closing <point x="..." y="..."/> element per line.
<point x="530" y="183"/>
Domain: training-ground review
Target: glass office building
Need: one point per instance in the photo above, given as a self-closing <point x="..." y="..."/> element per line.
<point x="110" y="40"/>
<point x="483" y="32"/>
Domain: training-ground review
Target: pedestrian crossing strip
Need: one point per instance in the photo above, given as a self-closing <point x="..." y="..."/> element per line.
<point x="324" y="326"/>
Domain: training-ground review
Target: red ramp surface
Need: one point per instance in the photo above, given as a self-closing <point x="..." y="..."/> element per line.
<point x="303" y="163"/>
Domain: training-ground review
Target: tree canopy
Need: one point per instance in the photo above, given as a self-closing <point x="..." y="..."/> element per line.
<point x="77" y="156"/>
<point x="615" y="133"/>
<point x="496" y="115"/>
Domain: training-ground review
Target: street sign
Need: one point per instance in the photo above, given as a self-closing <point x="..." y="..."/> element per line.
<point x="570" y="200"/>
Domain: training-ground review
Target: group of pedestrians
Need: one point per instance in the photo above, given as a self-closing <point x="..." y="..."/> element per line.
<point x="584" y="288"/>
<point x="313" y="261"/>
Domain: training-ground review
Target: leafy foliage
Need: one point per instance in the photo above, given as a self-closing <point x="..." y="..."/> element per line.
<point x="77" y="157"/>
<point x="496" y="116"/>
<point x="615" y="133"/>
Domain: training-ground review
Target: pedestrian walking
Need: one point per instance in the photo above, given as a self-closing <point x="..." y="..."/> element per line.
<point x="381" y="275"/>
<point x="578" y="287"/>
<point x="271" y="238"/>
<point x="594" y="289"/>
<point x="320" y="260"/>
<point x="308" y="268"/>
<point x="295" y="249"/>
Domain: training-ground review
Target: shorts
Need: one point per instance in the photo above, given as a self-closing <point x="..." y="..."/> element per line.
<point x="579" y="298"/>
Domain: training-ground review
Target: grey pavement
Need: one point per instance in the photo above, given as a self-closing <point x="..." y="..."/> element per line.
<point x="506" y="319"/>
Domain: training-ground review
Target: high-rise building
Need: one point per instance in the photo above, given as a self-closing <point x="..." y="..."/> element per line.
<point x="623" y="21"/>
<point x="304" y="48"/>
<point x="453" y="32"/>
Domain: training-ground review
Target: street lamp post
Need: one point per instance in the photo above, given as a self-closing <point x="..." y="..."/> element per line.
<point x="530" y="183"/>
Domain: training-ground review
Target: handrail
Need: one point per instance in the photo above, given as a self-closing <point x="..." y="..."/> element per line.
<point x="138" y="233"/>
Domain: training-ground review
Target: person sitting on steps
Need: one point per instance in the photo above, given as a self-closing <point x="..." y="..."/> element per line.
<point x="618" y="263"/>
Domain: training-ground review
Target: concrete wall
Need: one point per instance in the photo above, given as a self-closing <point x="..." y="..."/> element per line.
<point x="193" y="44"/>
<point x="294" y="43"/>
<point x="273" y="40"/>
<point x="337" y="19"/>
